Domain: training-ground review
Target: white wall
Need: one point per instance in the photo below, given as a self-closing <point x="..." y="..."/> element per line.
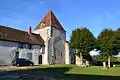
<point x="67" y="54"/>
<point x="36" y="55"/>
<point x="77" y="62"/>
<point x="8" y="49"/>
<point x="6" y="55"/>
<point x="45" y="33"/>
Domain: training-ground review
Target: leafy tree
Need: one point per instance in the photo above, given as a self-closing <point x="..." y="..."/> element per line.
<point x="107" y="44"/>
<point x="83" y="41"/>
<point x="116" y="42"/>
<point x="87" y="57"/>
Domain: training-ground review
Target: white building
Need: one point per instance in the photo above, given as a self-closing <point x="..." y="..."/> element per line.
<point x="69" y="54"/>
<point x="45" y="45"/>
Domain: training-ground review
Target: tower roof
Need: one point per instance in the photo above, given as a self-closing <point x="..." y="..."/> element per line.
<point x="49" y="20"/>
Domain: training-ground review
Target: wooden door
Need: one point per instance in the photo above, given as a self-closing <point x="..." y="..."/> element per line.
<point x="40" y="59"/>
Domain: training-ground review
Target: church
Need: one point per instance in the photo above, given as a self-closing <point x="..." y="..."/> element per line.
<point x="46" y="44"/>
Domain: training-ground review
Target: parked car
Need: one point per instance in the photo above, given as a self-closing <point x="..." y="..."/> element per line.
<point x="22" y="62"/>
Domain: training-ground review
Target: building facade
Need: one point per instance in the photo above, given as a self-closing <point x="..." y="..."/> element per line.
<point x="19" y="44"/>
<point x="45" y="45"/>
<point x="54" y="36"/>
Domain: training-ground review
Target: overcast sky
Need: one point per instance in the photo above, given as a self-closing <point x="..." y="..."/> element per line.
<point x="94" y="14"/>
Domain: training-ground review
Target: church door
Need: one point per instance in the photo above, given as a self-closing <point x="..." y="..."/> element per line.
<point x="40" y="59"/>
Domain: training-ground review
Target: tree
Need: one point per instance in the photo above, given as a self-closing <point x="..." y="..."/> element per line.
<point x="116" y="42"/>
<point x="83" y="41"/>
<point x="107" y="45"/>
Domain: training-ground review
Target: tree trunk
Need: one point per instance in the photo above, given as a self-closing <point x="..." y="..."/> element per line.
<point x="81" y="59"/>
<point x="108" y="61"/>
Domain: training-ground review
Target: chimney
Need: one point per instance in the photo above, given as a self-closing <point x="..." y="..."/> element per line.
<point x="29" y="29"/>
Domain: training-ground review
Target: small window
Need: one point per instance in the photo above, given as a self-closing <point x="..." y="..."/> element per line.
<point x="55" y="56"/>
<point x="61" y="54"/>
<point x="20" y="45"/>
<point x="47" y="31"/>
<point x="29" y="46"/>
<point x="43" y="24"/>
<point x="29" y="55"/>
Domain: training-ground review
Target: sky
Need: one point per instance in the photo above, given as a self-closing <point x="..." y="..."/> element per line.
<point x="93" y="14"/>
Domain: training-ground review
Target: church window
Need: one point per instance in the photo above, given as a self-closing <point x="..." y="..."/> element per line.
<point x="47" y="31"/>
<point x="61" y="54"/>
<point x="29" y="55"/>
<point x="43" y="24"/>
<point x="55" y="56"/>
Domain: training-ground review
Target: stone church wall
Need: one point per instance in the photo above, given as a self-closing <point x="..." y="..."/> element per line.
<point x="54" y="38"/>
<point x="57" y="40"/>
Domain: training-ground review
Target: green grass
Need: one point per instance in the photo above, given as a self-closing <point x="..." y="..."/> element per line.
<point x="62" y="72"/>
<point x="95" y="70"/>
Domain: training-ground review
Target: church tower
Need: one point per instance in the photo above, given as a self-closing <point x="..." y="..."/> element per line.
<point x="54" y="36"/>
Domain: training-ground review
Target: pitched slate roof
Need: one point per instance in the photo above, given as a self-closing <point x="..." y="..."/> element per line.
<point x="50" y="20"/>
<point x="10" y="34"/>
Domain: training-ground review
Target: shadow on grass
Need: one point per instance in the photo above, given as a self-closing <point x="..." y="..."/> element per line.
<point x="51" y="73"/>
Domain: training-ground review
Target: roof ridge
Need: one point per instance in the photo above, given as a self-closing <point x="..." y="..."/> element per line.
<point x="50" y="20"/>
<point x="12" y="28"/>
<point x="17" y="29"/>
<point x="50" y="17"/>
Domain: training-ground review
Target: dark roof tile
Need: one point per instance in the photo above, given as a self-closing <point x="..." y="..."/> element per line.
<point x="7" y="33"/>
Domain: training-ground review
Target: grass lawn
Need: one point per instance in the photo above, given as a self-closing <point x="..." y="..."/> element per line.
<point x="61" y="72"/>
